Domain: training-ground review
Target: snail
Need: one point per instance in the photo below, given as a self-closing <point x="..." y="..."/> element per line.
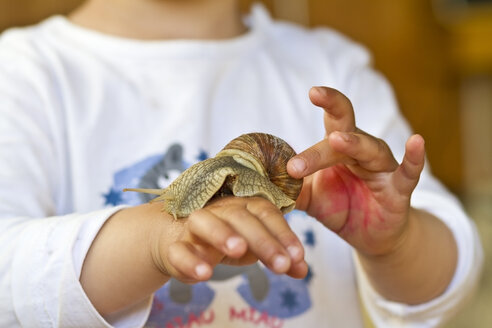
<point x="253" y="164"/>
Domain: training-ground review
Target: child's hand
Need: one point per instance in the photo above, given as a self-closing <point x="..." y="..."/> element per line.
<point x="353" y="184"/>
<point x="230" y="230"/>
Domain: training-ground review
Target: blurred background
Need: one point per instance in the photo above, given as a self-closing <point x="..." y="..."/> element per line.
<point x="438" y="56"/>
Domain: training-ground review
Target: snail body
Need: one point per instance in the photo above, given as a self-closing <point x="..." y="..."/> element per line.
<point x="250" y="165"/>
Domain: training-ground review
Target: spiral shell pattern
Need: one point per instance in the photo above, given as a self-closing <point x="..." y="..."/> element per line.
<point x="272" y="153"/>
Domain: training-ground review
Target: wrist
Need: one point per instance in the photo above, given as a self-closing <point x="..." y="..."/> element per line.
<point x="401" y="246"/>
<point x="118" y="270"/>
<point x="163" y="231"/>
<point x="408" y="272"/>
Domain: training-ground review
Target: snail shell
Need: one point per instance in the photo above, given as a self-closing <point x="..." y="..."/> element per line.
<point x="253" y="164"/>
<point x="268" y="155"/>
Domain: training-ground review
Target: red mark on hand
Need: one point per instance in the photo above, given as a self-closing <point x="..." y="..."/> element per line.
<point x="343" y="202"/>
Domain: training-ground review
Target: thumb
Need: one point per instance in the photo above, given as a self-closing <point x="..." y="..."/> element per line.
<point x="408" y="173"/>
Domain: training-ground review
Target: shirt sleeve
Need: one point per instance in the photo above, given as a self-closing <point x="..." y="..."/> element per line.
<point x="44" y="288"/>
<point x="42" y="243"/>
<point x="40" y="270"/>
<point x="377" y="113"/>
<point x="385" y="313"/>
<point x="134" y="316"/>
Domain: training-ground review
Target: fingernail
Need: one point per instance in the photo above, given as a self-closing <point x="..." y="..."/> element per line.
<point x="319" y="89"/>
<point x="281" y="263"/>
<point x="344" y="136"/>
<point x="233" y="242"/>
<point x="298" y="164"/>
<point x="202" y="270"/>
<point x="294" y="252"/>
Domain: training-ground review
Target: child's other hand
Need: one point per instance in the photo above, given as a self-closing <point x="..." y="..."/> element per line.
<point x="353" y="184"/>
<point x="231" y="230"/>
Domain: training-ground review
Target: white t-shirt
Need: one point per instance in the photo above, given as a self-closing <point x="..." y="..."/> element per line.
<point x="84" y="115"/>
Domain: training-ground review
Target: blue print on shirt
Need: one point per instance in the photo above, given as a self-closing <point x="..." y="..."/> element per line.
<point x="287" y="297"/>
<point x="165" y="310"/>
<point x="129" y="178"/>
<point x="176" y="303"/>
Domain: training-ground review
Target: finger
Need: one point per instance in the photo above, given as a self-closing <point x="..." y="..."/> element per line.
<point x="260" y="241"/>
<point x="186" y="264"/>
<point x="339" y="113"/>
<point x="315" y="158"/>
<point x="298" y="270"/>
<point x="408" y="173"/>
<point x="274" y="221"/>
<point x="370" y="153"/>
<point x="214" y="231"/>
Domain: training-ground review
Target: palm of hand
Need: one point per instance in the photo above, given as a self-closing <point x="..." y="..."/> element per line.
<point x="369" y="215"/>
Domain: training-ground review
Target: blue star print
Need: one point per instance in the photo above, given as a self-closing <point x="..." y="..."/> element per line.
<point x="289" y="299"/>
<point x="309" y="235"/>
<point x="113" y="197"/>
<point x="202" y="156"/>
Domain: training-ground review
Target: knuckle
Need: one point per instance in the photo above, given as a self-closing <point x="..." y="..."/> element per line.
<point x="287" y="237"/>
<point x="381" y="148"/>
<point x="313" y="155"/>
<point x="269" y="212"/>
<point x="257" y="201"/>
<point x="339" y="96"/>
<point x="236" y="214"/>
<point x="229" y="210"/>
<point x="357" y="145"/>
<point x="220" y="203"/>
<point x="263" y="207"/>
<point x="385" y="154"/>
<point x="220" y="235"/>
<point x="265" y="247"/>
<point x="195" y="219"/>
